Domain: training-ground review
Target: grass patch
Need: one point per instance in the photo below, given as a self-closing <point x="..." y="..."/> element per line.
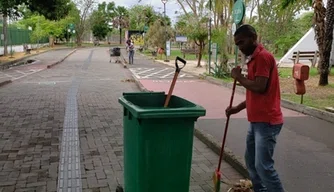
<point x="311" y="101"/>
<point x="177" y="52"/>
<point x="286" y="72"/>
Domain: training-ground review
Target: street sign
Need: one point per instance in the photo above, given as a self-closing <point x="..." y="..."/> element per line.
<point x="183" y="39"/>
<point x="168" y="48"/>
<point x="238" y="11"/>
<point x="71" y="26"/>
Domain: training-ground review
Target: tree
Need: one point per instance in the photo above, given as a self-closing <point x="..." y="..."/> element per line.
<point x="101" y="18"/>
<point x="85" y="8"/>
<point x="58" y="10"/>
<point x="120" y="19"/>
<point x="197" y="23"/>
<point x="11" y="8"/>
<point x="155" y="34"/>
<point x="142" y="15"/>
<point x="8" y="8"/>
<point x="324" y="33"/>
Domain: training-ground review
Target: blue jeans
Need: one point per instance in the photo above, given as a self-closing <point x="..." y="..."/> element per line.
<point x="131" y="54"/>
<point x="261" y="141"/>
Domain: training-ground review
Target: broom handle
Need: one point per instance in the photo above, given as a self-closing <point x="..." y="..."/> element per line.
<point x="177" y="71"/>
<point x="226" y="125"/>
<point x="171" y="89"/>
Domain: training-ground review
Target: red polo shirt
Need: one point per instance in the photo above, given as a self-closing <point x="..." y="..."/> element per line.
<point x="265" y="107"/>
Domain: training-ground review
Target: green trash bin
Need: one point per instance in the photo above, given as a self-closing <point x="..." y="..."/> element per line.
<point x="158" y="142"/>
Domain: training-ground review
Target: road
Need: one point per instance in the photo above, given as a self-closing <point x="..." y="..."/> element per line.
<point x="61" y="128"/>
<point x="305" y="151"/>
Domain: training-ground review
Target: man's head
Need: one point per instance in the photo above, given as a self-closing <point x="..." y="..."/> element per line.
<point x="245" y="38"/>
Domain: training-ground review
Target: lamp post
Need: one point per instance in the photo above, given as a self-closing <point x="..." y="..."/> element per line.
<point x="164" y="2"/>
<point x="120" y="21"/>
<point x="209" y="36"/>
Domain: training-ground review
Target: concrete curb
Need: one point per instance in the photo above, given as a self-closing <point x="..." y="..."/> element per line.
<point x="320" y="114"/>
<point x="53" y="64"/>
<point x="228" y="155"/>
<point x="3" y="83"/>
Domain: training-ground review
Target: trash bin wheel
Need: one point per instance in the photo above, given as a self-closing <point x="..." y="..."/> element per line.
<point x="119" y="189"/>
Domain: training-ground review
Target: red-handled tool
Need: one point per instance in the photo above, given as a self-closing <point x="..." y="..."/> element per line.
<point x="217" y="174"/>
<point x="177" y="71"/>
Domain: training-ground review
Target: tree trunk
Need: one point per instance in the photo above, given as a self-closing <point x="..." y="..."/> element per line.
<point x="201" y="47"/>
<point x="319" y="28"/>
<point x="79" y="41"/>
<point x="331" y="61"/>
<point x="5" y="34"/>
<point x="328" y="40"/>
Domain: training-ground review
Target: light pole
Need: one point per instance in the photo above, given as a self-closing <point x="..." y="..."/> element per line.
<point x="209" y="36"/>
<point x="164" y="2"/>
<point x="120" y="20"/>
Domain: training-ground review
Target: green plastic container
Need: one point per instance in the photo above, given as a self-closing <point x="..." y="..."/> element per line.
<point x="158" y="142"/>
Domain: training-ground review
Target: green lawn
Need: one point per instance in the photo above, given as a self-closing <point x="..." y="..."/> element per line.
<point x="311" y="101"/>
<point x="177" y="52"/>
<point x="286" y="72"/>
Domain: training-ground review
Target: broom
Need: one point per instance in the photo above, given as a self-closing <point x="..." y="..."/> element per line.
<point x="217" y="173"/>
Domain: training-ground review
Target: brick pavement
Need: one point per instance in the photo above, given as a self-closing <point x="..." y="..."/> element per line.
<point x="77" y="96"/>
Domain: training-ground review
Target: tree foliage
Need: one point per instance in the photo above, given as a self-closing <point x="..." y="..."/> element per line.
<point x="101" y="18"/>
<point x="156" y="34"/>
<point x="144" y="15"/>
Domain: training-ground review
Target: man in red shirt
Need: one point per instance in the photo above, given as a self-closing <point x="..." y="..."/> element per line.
<point x="263" y="105"/>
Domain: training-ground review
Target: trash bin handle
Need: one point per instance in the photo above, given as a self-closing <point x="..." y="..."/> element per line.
<point x="178" y="69"/>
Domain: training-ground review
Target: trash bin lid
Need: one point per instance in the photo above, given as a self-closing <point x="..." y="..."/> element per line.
<point x="145" y="105"/>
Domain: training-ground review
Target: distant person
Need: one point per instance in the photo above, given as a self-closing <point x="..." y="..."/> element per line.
<point x="263" y="105"/>
<point x="131" y="49"/>
<point x="128" y="42"/>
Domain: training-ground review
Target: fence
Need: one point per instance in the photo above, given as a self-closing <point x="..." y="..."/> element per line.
<point x="19" y="37"/>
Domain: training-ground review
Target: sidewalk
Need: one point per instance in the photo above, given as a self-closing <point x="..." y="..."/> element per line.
<point x="62" y="129"/>
<point x="305" y="148"/>
<point x="39" y="62"/>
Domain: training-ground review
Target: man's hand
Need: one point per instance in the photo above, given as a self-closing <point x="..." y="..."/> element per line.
<point x="236" y="73"/>
<point x="231" y="110"/>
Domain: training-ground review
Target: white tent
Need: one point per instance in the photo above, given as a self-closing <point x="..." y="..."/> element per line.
<point x="306" y="43"/>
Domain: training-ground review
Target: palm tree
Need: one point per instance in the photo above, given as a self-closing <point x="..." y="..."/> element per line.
<point x="324" y="33"/>
<point x="121" y="19"/>
<point x="327" y="44"/>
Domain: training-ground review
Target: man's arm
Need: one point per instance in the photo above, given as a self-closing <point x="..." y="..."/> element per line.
<point x="258" y="86"/>
<point x="233" y="110"/>
<point x="241" y="106"/>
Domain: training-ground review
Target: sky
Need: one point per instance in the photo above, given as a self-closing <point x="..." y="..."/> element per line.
<point x="171" y="5"/>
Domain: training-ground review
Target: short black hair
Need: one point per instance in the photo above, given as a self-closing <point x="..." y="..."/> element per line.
<point x="246" y="30"/>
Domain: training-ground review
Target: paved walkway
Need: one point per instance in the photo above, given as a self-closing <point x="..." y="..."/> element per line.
<point x="40" y="63"/>
<point x="61" y="129"/>
<point x="305" y="149"/>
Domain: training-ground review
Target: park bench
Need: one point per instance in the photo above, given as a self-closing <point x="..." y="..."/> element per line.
<point x="189" y="51"/>
<point x="312" y="56"/>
